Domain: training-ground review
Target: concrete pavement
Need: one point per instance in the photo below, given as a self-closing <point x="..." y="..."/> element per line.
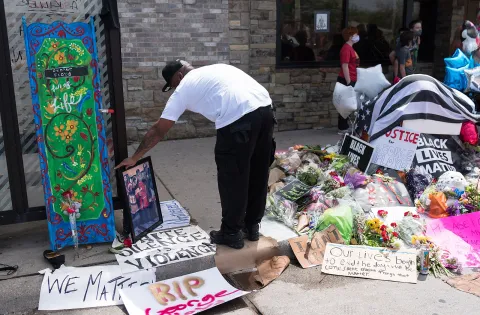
<point x="186" y="171"/>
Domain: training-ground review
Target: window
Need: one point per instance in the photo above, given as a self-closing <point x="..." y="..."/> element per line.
<point x="377" y="21"/>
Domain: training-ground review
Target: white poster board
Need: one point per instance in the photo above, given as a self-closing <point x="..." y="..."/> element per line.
<point x="71" y="288"/>
<point x="166" y="247"/>
<point x="188" y="294"/>
<point x="174" y="215"/>
<point x="370" y="262"/>
<point x="395" y="214"/>
<point x="396" y="149"/>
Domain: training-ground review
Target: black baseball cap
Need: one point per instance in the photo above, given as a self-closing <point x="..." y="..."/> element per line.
<point x="169" y="71"/>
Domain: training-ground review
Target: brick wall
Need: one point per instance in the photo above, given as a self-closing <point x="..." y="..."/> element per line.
<point x="239" y="32"/>
<point x="156" y="31"/>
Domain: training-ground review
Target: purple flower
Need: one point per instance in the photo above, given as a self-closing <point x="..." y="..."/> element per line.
<point x="356" y="179"/>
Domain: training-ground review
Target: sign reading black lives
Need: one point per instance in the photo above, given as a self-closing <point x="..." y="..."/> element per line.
<point x="66" y="72"/>
<point x="358" y="151"/>
<point x="437" y="154"/>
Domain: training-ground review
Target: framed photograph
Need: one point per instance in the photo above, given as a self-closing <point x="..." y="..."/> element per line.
<point x="322" y="21"/>
<point x="142" y="203"/>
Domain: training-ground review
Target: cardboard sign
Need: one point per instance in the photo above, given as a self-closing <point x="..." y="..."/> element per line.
<point x="174" y="215"/>
<point x="358" y="151"/>
<point x="310" y="254"/>
<point x="163" y="248"/>
<point x="71" y="288"/>
<point x="437" y="154"/>
<point x="458" y="237"/>
<point x="370" y="262"/>
<point x="396" y="149"/>
<point x="189" y="294"/>
<point x="294" y="190"/>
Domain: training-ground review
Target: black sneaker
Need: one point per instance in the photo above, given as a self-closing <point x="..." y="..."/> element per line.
<point x="232" y="240"/>
<point x="252" y="233"/>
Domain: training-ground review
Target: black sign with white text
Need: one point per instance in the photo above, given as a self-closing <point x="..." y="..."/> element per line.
<point x="437" y="154"/>
<point x="358" y="151"/>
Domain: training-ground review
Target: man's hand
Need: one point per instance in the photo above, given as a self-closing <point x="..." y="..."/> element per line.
<point x="128" y="162"/>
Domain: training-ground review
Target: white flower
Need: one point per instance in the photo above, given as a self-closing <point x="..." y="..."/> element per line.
<point x="77" y="215"/>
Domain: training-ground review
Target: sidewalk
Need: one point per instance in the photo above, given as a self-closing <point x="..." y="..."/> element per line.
<point x="186" y="171"/>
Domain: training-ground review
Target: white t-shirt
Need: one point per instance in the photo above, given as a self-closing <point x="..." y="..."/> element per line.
<point x="222" y="93"/>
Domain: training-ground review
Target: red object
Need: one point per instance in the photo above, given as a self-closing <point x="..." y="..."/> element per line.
<point x="469" y="133"/>
<point x="406" y="214"/>
<point x="383" y="228"/>
<point x="127" y="242"/>
<point x="142" y="195"/>
<point x="396" y="80"/>
<point x="394" y="224"/>
<point x="70" y="210"/>
<point x="89" y="112"/>
<point x="416" y="216"/>
<point x="67" y="194"/>
<point x="348" y="55"/>
<point x="382" y="213"/>
<point x="62" y="34"/>
<point x="84" y="136"/>
<point x="75" y="79"/>
<point x="395" y="234"/>
<point x="385" y="236"/>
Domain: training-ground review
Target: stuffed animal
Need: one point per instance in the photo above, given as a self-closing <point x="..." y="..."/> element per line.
<point x="470" y="38"/>
<point x="451" y="180"/>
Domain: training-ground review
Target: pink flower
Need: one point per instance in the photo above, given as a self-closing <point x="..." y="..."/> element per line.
<point x="382" y="213"/>
<point x="67" y="194"/>
<point x="394" y="225"/>
<point x="383" y="228"/>
<point x="395" y="234"/>
<point x="416" y="216"/>
<point x="127" y="242"/>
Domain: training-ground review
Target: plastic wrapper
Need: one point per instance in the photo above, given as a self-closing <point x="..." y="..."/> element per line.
<point x="341" y="217"/>
<point x="408" y="227"/>
<point x="355" y="178"/>
<point x="311" y="158"/>
<point x="276" y="187"/>
<point x="282" y="210"/>
<point x="382" y="192"/>
<point x="423" y="201"/>
<point x="438" y="205"/>
<point x="308" y="174"/>
<point x="416" y="182"/>
<point x="290" y="162"/>
<point x="469" y="133"/>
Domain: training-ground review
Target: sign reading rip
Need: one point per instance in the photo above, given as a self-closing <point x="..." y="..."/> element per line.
<point x="310" y="254"/>
<point x="189" y="294"/>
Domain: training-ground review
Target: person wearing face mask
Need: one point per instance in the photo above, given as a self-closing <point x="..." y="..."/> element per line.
<point x="404" y="55"/>
<point x="242" y="111"/>
<point x="349" y="62"/>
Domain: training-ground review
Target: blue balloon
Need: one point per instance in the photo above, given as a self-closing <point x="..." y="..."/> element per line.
<point x="458" y="60"/>
<point x="456" y="78"/>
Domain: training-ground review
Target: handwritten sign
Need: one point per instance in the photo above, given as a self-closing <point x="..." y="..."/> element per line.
<point x="71" y="288"/>
<point x="166" y="247"/>
<point x="358" y="151"/>
<point x="189" y="294"/>
<point x="174" y="215"/>
<point x="311" y="254"/>
<point x="396" y="149"/>
<point x="458" y="237"/>
<point x="370" y="262"/>
<point x="294" y="190"/>
<point x="45" y="6"/>
<point x="66" y="72"/>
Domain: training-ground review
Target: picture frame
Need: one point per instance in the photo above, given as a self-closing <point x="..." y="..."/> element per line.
<point x="141" y="198"/>
<point x="322" y="21"/>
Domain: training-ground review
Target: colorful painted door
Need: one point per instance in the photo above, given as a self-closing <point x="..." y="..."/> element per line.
<point x="65" y="85"/>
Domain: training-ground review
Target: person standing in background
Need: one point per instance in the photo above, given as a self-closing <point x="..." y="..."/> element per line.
<point x="349" y="62"/>
<point x="404" y="55"/>
<point x="416" y="27"/>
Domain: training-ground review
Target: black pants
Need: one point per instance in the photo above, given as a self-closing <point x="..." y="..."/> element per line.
<point x="244" y="152"/>
<point x="343" y="122"/>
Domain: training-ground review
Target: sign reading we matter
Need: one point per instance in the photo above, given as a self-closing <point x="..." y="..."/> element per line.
<point x="370" y="262"/>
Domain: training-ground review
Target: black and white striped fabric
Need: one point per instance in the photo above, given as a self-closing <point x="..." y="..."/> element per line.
<point x="416" y="96"/>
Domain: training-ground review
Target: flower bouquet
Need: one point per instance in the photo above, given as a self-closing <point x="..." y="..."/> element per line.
<point x="72" y="209"/>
